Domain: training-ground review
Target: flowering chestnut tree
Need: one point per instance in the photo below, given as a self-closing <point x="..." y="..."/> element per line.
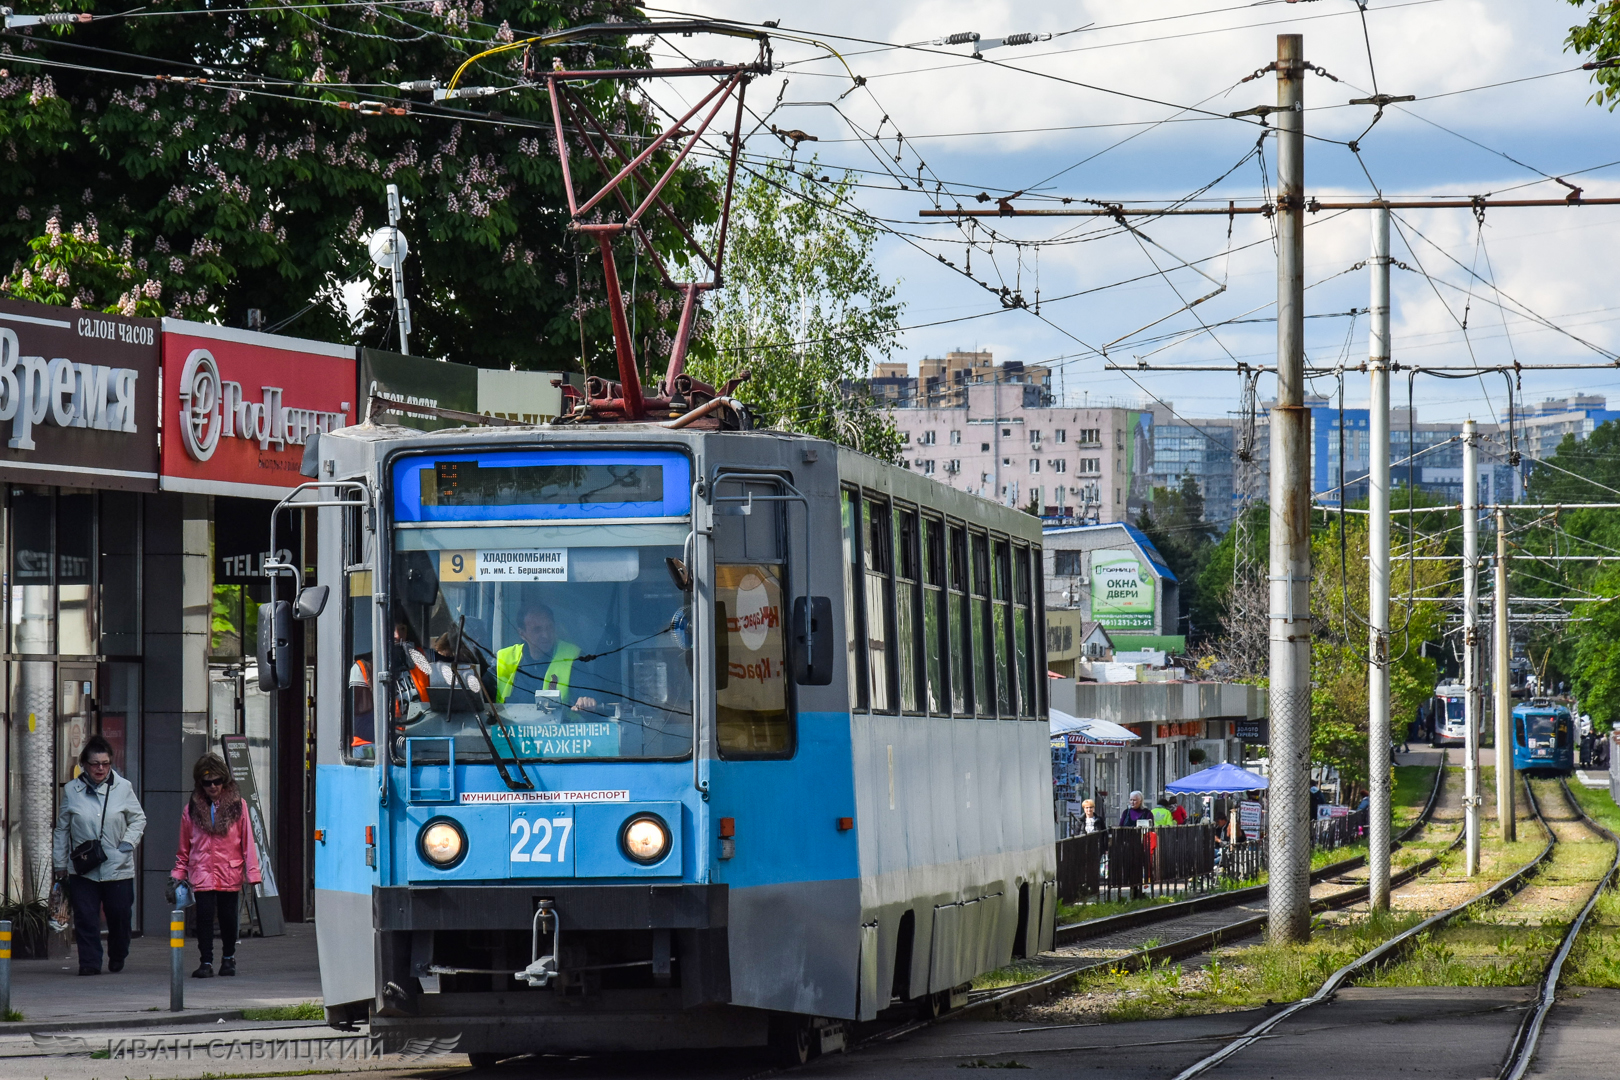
<point x="237" y="160"/>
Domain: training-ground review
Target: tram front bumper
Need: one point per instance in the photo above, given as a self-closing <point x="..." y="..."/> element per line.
<point x="581" y="907"/>
<point x="680" y="930"/>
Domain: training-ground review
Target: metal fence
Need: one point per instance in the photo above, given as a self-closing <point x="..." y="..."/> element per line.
<point x="1079" y="865"/>
<point x="1179" y="860"/>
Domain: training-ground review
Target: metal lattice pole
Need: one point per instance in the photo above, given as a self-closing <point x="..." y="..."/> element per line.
<point x="1378" y="735"/>
<point x="1290" y="616"/>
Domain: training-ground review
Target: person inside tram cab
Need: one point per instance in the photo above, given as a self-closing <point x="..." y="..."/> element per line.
<point x="538" y="662"/>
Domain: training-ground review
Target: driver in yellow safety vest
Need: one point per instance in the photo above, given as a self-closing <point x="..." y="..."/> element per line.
<point x="538" y="661"/>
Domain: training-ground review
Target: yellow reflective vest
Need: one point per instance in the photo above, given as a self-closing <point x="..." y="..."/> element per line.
<point x="558" y="672"/>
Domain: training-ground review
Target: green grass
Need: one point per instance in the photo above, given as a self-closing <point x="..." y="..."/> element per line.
<point x="1243" y="978"/>
<point x="1412" y="784"/>
<point x="12" y="1016"/>
<point x="1595" y="960"/>
<point x="1019" y="971"/>
<point x="1068" y="913"/>
<point x="304" y="1010"/>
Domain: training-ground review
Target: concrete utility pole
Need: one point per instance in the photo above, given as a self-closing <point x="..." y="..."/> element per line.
<point x="1504" y="692"/>
<point x="1378" y="738"/>
<point x="1290" y="615"/>
<point x="1470" y="569"/>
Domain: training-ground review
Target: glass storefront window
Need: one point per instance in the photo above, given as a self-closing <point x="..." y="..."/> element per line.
<point x="75" y="563"/>
<point x="32" y="611"/>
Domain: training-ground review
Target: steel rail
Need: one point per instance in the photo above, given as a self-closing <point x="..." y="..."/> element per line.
<point x="1381" y="953"/>
<point x="1090" y="928"/>
<point x="1525" y="1040"/>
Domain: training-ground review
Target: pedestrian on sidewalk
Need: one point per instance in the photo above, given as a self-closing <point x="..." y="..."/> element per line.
<point x="217" y="856"/>
<point x="93" y="847"/>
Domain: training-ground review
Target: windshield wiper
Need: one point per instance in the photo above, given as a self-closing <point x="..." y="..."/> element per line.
<point x="488" y="706"/>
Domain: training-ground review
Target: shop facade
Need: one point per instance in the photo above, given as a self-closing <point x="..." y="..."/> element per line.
<point x="131" y="568"/>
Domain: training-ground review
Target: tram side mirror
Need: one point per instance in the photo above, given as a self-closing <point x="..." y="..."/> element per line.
<point x="311" y="601"/>
<point x="679" y="574"/>
<point x="813" y="659"/>
<point x="275" y="645"/>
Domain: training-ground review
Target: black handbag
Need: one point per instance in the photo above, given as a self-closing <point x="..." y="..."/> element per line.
<point x="92" y="853"/>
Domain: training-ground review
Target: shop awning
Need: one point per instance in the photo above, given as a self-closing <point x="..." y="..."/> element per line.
<point x="1223" y="779"/>
<point x="1076" y="729"/>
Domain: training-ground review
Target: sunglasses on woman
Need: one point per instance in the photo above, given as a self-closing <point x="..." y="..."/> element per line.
<point x="213" y="781"/>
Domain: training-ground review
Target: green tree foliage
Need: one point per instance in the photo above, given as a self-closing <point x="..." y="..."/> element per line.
<point x="1599" y="39"/>
<point x="75" y="269"/>
<point x="1339" y="641"/>
<point x="1174" y="521"/>
<point x="1581" y="653"/>
<point x="255" y="186"/>
<point x="805" y="311"/>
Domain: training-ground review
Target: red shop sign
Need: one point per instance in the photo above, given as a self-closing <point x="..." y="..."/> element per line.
<point x="238" y="407"/>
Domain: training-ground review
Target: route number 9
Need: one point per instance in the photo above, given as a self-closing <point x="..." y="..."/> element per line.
<point x="457" y="566"/>
<point x="541" y="831"/>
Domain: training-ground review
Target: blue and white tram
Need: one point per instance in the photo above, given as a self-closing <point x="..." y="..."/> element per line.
<point x="1543" y="738"/>
<point x="1449" y="725"/>
<point x="634" y="738"/>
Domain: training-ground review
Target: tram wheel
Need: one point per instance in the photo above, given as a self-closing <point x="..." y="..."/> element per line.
<point x="791" y="1040"/>
<point x="484" y="1059"/>
<point x="936" y="1005"/>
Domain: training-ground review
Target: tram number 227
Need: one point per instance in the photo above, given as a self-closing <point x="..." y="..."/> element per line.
<point x="541" y="832"/>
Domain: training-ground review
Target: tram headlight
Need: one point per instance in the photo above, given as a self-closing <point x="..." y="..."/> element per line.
<point x="644" y="839"/>
<point x="442" y="843"/>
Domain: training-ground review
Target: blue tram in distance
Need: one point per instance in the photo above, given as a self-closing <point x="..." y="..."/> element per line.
<point x="1543" y="738"/>
<point x="631" y="738"/>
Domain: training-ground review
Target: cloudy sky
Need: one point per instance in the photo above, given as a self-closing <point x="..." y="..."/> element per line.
<point x="1134" y="108"/>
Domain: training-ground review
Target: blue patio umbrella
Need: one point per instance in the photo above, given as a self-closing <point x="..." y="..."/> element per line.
<point x="1223" y="779"/>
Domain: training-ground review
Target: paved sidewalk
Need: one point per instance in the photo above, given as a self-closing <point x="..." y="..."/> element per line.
<point x="273" y="971"/>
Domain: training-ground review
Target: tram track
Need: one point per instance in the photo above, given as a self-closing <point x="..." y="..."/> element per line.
<point x="1523" y="1046"/>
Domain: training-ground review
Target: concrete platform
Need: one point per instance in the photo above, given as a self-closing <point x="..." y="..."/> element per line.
<point x="273" y="971"/>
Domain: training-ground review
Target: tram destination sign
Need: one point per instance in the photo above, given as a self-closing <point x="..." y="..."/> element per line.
<point x="78" y="397"/>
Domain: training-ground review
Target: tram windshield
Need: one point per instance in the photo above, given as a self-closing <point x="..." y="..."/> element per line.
<point x="1545" y="730"/>
<point x="541" y="642"/>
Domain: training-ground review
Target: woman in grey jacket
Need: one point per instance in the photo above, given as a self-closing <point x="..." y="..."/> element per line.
<point x="99" y="805"/>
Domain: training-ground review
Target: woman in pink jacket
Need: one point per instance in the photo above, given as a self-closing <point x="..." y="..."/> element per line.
<point x="217" y="857"/>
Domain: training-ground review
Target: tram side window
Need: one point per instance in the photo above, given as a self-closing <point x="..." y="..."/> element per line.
<point x="1002" y="629"/>
<point x="1518" y="730"/>
<point x="908" y="620"/>
<point x="752" y="718"/>
<point x="1561" y="733"/>
<point x="854" y="622"/>
<point x="1037" y="636"/>
<point x="879" y="553"/>
<point x="936" y="635"/>
<point x="1023" y="646"/>
<point x="984" y="670"/>
<point x="960" y="644"/>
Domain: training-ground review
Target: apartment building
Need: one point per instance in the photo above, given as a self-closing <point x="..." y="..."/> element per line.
<point x="1009" y="442"/>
